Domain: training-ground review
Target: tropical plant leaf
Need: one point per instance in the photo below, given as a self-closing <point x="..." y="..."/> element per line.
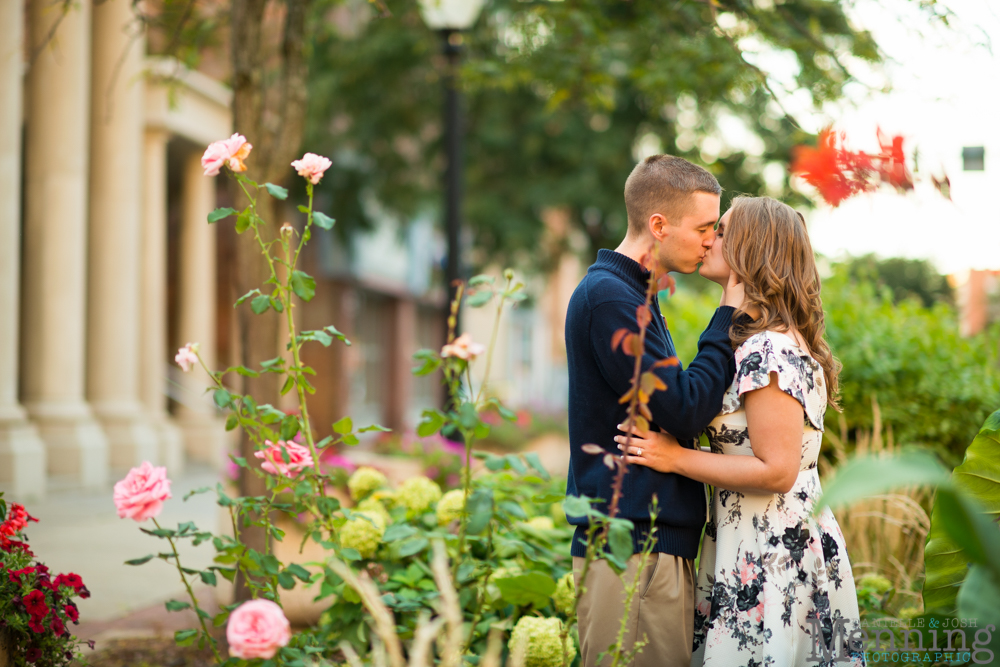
<point x="946" y="564"/>
<point x="865" y="476"/>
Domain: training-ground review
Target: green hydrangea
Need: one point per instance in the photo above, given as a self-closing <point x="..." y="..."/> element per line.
<point x="417" y="494"/>
<point x="541" y="523"/>
<point x="565" y="593"/>
<point x="373" y="504"/>
<point x="875" y="582"/>
<point x="542" y="642"/>
<point x="362" y="534"/>
<point x="450" y="506"/>
<point x="365" y="481"/>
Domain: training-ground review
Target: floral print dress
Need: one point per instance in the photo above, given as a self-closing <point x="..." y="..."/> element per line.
<point x="770" y="573"/>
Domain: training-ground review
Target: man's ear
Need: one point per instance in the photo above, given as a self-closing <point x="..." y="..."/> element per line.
<point x="658" y="226"/>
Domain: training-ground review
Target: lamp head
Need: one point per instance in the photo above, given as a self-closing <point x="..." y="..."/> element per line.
<point x="450" y="14"/>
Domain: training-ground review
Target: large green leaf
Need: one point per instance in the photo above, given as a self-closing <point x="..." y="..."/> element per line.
<point x="865" y="476"/>
<point x="945" y="562"/>
<point x="533" y="588"/>
<point x="979" y="599"/>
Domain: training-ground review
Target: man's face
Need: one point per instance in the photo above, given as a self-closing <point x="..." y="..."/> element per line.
<point x="682" y="244"/>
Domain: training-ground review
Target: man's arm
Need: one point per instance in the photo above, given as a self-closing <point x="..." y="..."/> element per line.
<point x="694" y="395"/>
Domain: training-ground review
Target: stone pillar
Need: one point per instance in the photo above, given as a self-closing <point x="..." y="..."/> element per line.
<point x="204" y="432"/>
<point x="22" y="454"/>
<point x="115" y="231"/>
<point x="401" y="345"/>
<point x="55" y="246"/>
<point x="154" y="357"/>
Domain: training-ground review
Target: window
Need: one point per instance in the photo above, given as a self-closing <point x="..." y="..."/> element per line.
<point x="973" y="158"/>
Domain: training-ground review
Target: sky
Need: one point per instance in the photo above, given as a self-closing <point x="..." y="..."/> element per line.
<point x="945" y="94"/>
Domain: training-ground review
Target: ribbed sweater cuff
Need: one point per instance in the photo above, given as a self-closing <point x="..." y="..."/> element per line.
<point x="722" y="319"/>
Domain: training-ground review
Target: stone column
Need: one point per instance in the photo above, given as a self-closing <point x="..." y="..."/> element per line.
<point x="115" y="243"/>
<point x="154" y="357"/>
<point x="55" y="246"/>
<point x="22" y="454"/>
<point x="204" y="433"/>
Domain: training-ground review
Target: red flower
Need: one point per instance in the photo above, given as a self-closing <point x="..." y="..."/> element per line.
<point x="57" y="625"/>
<point x="33" y="654"/>
<point x="17" y="519"/>
<point x="72" y="613"/>
<point x="15" y="575"/>
<point x="892" y="167"/>
<point x="833" y="170"/>
<point x="35" y="603"/>
<point x="72" y="580"/>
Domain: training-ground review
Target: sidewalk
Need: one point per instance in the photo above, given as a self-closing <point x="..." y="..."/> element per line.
<point x="80" y="532"/>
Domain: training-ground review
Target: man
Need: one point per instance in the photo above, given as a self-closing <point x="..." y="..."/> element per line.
<point x="672" y="208"/>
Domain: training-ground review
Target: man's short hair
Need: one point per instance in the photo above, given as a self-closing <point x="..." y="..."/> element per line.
<point x="664" y="184"/>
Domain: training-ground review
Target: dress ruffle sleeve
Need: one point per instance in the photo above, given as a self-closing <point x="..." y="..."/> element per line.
<point x="799" y="375"/>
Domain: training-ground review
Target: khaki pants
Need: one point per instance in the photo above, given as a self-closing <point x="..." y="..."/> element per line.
<point x="662" y="610"/>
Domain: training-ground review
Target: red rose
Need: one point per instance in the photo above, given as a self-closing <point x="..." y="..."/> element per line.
<point x="33" y="654"/>
<point x="72" y="613"/>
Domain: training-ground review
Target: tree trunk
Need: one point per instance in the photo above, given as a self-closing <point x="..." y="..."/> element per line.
<point x="272" y="118"/>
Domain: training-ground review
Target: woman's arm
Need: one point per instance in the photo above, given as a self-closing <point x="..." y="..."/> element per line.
<point x="774" y="422"/>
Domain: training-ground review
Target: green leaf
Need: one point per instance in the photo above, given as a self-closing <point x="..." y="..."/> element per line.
<point x="260" y="304"/>
<point x="140" y="561"/>
<point x="429" y="362"/>
<point x="208" y="577"/>
<point x="513" y="509"/>
<point x="576" y="506"/>
<point x="375" y="427"/>
<point x="480" y="509"/>
<point x="289" y="427"/>
<point x="302" y="208"/>
<point x="480" y="298"/>
<point x="344" y="425"/>
<point x="495" y="463"/>
<point x="185" y="637"/>
<point x="220" y="213"/>
<point x="277" y="191"/>
<point x="430" y="424"/>
<point x="222" y="398"/>
<point x="296" y="570"/>
<point x="243" y="221"/>
<point x="979" y="598"/>
<point x="532" y="588"/>
<point x="865" y="476"/>
<point x="945" y="562"/>
<point x="414" y="546"/>
<point x="177" y="605"/>
<point x="350" y="554"/>
<point x="232" y="421"/>
<point x="303" y="285"/>
<point x="286" y="580"/>
<point x="481" y="279"/>
<point x="399" y="531"/>
<point x="289" y="383"/>
<point x="620" y="540"/>
<point x="516" y="463"/>
<point x="536" y="463"/>
<point x="322" y="220"/>
<point x="468" y="416"/>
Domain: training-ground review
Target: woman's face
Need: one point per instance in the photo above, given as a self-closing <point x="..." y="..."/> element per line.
<point x="714" y="267"/>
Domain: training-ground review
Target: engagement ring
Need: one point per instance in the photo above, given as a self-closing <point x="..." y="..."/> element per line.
<point x="638" y="452"/>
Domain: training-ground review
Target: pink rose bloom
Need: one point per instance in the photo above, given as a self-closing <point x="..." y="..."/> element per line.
<point x="141" y="494"/>
<point x="186" y="357"/>
<point x="463" y="348"/>
<point x="257" y="629"/>
<point x="229" y="152"/>
<point x="299" y="457"/>
<point x="311" y="167"/>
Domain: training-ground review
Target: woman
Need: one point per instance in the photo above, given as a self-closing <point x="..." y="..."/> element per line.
<point x="772" y="577"/>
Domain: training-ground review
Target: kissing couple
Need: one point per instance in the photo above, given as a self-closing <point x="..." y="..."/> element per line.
<point x="773" y="585"/>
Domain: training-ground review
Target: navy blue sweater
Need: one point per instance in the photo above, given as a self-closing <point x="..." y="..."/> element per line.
<point x="605" y="301"/>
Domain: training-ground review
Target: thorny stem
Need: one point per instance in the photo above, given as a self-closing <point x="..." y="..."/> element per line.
<point x="194" y="600"/>
<point x="581" y="589"/>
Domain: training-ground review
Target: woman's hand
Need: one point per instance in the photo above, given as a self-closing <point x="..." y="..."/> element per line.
<point x="656" y="450"/>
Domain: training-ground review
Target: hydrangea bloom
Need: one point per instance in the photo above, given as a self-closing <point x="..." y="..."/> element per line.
<point x="449" y="508"/>
<point x="362" y="534"/>
<point x="373" y="504"/>
<point x="565" y="593"/>
<point x="417" y="494"/>
<point x="364" y="481"/>
<point x="542" y="642"/>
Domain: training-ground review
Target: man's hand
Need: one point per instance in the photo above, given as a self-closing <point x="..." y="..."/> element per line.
<point x="733" y="295"/>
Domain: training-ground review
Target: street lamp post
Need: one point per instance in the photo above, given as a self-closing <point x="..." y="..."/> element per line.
<point x="450" y="18"/>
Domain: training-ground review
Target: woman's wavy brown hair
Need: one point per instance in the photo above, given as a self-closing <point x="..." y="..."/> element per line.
<point x="767" y="247"/>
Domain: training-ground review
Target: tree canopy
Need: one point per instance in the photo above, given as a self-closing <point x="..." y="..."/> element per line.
<point x="559" y="95"/>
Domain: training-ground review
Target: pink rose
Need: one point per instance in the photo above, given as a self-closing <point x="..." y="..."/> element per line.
<point x="187" y="356"/>
<point x="311" y="167"/>
<point x="463" y="348"/>
<point x="229" y="152"/>
<point x="141" y="494"/>
<point x="257" y="629"/>
<point x="299" y="457"/>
